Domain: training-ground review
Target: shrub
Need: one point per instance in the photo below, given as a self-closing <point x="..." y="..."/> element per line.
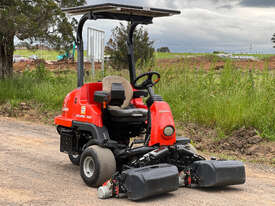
<point x="163" y="49"/>
<point x="117" y="47"/>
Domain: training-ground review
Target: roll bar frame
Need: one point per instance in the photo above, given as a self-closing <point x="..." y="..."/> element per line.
<point x="135" y="21"/>
<point x="134" y="14"/>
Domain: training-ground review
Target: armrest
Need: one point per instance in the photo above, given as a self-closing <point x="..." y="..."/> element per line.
<point x="101" y="96"/>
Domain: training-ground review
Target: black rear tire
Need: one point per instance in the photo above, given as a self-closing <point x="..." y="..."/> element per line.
<point x="97" y="165"/>
<point x="75" y="159"/>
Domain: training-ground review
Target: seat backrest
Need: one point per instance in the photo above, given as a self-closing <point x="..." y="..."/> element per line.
<point x="107" y="86"/>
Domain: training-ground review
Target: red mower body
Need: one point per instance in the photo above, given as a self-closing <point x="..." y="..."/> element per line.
<point x="79" y="105"/>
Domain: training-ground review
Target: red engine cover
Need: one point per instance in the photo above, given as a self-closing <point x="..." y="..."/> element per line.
<point x="161" y="116"/>
<point x="79" y="105"/>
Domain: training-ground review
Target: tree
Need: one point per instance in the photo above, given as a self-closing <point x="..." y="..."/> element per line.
<point x="273" y="39"/>
<point x="164" y="49"/>
<point x="33" y="20"/>
<point x="117" y="47"/>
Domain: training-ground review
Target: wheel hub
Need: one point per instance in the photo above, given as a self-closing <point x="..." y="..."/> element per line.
<point x="89" y="166"/>
<point x="75" y="156"/>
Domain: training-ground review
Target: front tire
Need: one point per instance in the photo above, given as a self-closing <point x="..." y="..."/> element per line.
<point x="75" y="159"/>
<point x="97" y="165"/>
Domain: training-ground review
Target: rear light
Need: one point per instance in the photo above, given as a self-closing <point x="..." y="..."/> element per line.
<point x="168" y="131"/>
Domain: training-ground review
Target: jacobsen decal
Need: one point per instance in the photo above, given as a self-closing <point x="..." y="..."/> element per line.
<point x="83" y="116"/>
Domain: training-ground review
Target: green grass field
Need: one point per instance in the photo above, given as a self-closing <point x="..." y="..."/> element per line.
<point x="259" y="56"/>
<point x="50" y="55"/>
<point x="45" y="54"/>
<point x="225" y="100"/>
<point x="160" y="55"/>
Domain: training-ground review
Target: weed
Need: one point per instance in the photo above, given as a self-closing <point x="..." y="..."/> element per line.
<point x="39" y="86"/>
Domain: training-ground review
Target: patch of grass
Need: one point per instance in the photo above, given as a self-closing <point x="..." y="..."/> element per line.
<point x="41" y="54"/>
<point x="45" y="54"/>
<point x="227" y="100"/>
<point x="38" y="86"/>
<point x="164" y="55"/>
<point x="260" y="56"/>
<point x="52" y="54"/>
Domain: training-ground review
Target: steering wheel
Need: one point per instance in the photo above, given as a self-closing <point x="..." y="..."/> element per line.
<point x="149" y="82"/>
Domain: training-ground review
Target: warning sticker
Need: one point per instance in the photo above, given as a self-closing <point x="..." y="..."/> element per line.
<point x="83" y="109"/>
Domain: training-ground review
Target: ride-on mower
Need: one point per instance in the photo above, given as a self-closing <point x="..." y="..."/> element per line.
<point x="100" y="120"/>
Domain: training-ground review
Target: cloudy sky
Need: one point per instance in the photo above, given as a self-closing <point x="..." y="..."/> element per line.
<point x="207" y="25"/>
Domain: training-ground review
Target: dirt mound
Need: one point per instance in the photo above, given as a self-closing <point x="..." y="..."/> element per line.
<point x="240" y="141"/>
<point x="200" y="136"/>
<point x="243" y="143"/>
<point x="38" y="62"/>
<point x="52" y="65"/>
<point x="8" y="110"/>
<point x="272" y="59"/>
<point x="27" y="111"/>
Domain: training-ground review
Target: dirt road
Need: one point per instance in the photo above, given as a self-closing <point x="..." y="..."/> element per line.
<point x="34" y="172"/>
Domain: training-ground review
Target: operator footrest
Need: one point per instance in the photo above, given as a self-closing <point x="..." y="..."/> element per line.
<point x="212" y="173"/>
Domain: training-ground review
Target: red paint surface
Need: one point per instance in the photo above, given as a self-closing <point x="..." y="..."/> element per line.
<point x="79" y="105"/>
<point x="161" y="116"/>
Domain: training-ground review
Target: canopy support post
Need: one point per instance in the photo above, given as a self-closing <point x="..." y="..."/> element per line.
<point x="135" y="20"/>
<point x="80" y="48"/>
<point x="131" y="58"/>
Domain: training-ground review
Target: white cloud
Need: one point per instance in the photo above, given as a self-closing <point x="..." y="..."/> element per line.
<point x="206" y="25"/>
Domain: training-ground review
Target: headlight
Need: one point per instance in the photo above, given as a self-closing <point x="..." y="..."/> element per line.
<point x="168" y="131"/>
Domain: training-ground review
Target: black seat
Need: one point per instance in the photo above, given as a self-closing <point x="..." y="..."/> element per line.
<point x="119" y="107"/>
<point x="135" y="112"/>
<point x="128" y="115"/>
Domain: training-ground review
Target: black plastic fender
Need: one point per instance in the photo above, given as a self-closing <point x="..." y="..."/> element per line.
<point x="100" y="134"/>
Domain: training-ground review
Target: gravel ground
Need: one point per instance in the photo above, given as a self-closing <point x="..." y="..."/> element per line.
<point x="34" y="172"/>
